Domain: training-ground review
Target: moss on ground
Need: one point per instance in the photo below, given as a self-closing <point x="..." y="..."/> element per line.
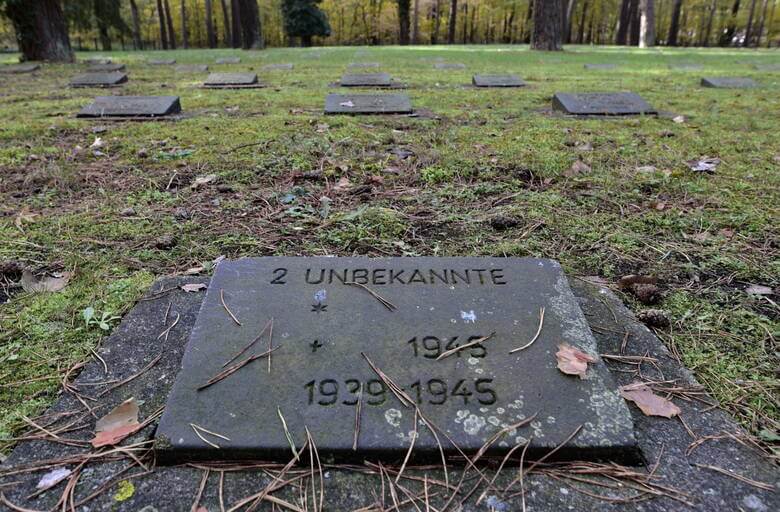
<point x="130" y="212"/>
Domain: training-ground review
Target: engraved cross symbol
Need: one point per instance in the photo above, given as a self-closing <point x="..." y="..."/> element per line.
<point x="315" y="345"/>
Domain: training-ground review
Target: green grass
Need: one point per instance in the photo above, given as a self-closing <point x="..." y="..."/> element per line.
<point x="707" y="237"/>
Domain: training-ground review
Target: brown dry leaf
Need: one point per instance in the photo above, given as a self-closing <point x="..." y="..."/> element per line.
<point x="54" y="283"/>
<point x="650" y="403"/>
<point x="202" y="180"/>
<point x="193" y="287"/>
<point x="578" y="167"/>
<point x="23" y="217"/>
<point x="632" y="279"/>
<point x="573" y="361"/>
<point x="117" y="424"/>
<point x="342" y="186"/>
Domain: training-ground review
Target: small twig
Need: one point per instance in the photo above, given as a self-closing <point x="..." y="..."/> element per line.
<point x="744" y="479"/>
<point x="287" y="434"/>
<point x="270" y="343"/>
<point x="202" y="486"/>
<point x="536" y="336"/>
<point x="132" y="377"/>
<point x="222" y="298"/>
<point x="231" y="370"/>
<point x="467" y="345"/>
<point x="198" y="429"/>
<point x="167" y="331"/>
<point x="411" y="447"/>
<point x="386" y="303"/>
<point x="239" y="353"/>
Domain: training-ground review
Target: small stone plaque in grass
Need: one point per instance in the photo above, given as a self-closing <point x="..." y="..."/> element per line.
<point x="26" y="67"/>
<point x="440" y="333"/>
<point x="132" y="106"/>
<point x="229" y="60"/>
<point x="99" y="79"/>
<point x="363" y="65"/>
<point x="97" y="60"/>
<point x="605" y="104"/>
<point x="767" y="67"/>
<point x="368" y="104"/>
<point x="277" y="67"/>
<point x="105" y="68"/>
<point x="600" y="66"/>
<point x="366" y="80"/>
<point x="449" y="65"/>
<point x="686" y="67"/>
<point x="191" y="68"/>
<point x="729" y="83"/>
<point x="162" y="62"/>
<point x="497" y="81"/>
<point x="232" y="81"/>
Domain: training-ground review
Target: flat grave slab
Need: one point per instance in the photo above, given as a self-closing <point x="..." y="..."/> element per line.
<point x="366" y="80"/>
<point x="26" y="67"/>
<point x="97" y="60"/>
<point x="767" y="67"/>
<point x="191" y="68"/>
<point x="232" y="81"/>
<point x="729" y="83"/>
<point x="99" y="79"/>
<point x="162" y="62"/>
<point x="605" y="104"/>
<point x="449" y="65"/>
<point x="600" y="66"/>
<point x="441" y="329"/>
<point x="105" y="68"/>
<point x="277" y="67"/>
<point x="497" y="81"/>
<point x="229" y="60"/>
<point x="368" y="104"/>
<point x="131" y="106"/>
<point x="686" y="67"/>
<point x="363" y="65"/>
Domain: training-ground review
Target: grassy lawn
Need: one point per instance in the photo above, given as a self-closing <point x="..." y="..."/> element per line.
<point x="489" y="174"/>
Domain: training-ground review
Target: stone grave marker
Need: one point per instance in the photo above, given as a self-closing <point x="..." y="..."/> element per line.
<point x="232" y="81"/>
<point x="767" y="67"/>
<point x="97" y="60"/>
<point x="25" y="67"/>
<point x="191" y="68"/>
<point x="105" y="68"/>
<point x="229" y="60"/>
<point x="368" y="104"/>
<point x="162" y="62"/>
<point x="728" y="83"/>
<point x="497" y="81"/>
<point x="600" y="66"/>
<point x="449" y="65"/>
<point x="345" y="331"/>
<point x="99" y="79"/>
<point x="132" y="106"/>
<point x="277" y="67"/>
<point x="615" y="104"/>
<point x="366" y="80"/>
<point x="363" y="65"/>
<point x="686" y="67"/>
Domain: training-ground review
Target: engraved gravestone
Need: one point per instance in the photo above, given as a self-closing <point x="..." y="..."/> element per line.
<point x="600" y="66"/>
<point x="728" y="83"/>
<point x="191" y="68"/>
<point x="232" y="81"/>
<point x="619" y="103"/>
<point x="767" y="67"/>
<point x="131" y="106"/>
<point x="97" y="60"/>
<point x="366" y="80"/>
<point x="27" y="67"/>
<point x="445" y="65"/>
<point x="98" y="79"/>
<point x="368" y="104"/>
<point x="229" y="60"/>
<point x="497" y="81"/>
<point x="362" y="347"/>
<point x="277" y="67"/>
<point x="105" y="68"/>
<point x="162" y="62"/>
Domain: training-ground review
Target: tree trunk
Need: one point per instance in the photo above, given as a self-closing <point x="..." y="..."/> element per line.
<point x="572" y="5"/>
<point x="210" y="34"/>
<point x="647" y="23"/>
<point x="163" y="30"/>
<point x="235" y="29"/>
<point x="169" y="24"/>
<point x="547" y="33"/>
<point x="251" y="28"/>
<point x="749" y="28"/>
<point x="41" y="31"/>
<point x="464" y="28"/>
<point x="137" y="41"/>
<point x="581" y="31"/>
<point x="102" y="26"/>
<point x="403" y="21"/>
<point x="635" y="23"/>
<point x="226" y="21"/>
<point x="436" y="21"/>
<point x="624" y="22"/>
<point x="452" y="21"/>
<point x="306" y="41"/>
<point x="416" y="24"/>
<point x="185" y="36"/>
<point x="707" y="32"/>
<point x="728" y="34"/>
<point x="760" y="30"/>
<point x="674" y="27"/>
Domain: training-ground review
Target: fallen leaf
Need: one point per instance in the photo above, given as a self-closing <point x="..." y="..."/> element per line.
<point x="193" y="287"/>
<point x="758" y="289"/>
<point x="117" y="424"/>
<point x="678" y="119"/>
<point x="55" y="283"/>
<point x="342" y="186"/>
<point x="650" y="403"/>
<point x="646" y="169"/>
<point x="631" y="279"/>
<point x="704" y="164"/>
<point x="202" y="180"/>
<point x="322" y="128"/>
<point x="52" y="478"/>
<point x="578" y="167"/>
<point x="573" y="361"/>
<point x="99" y="143"/>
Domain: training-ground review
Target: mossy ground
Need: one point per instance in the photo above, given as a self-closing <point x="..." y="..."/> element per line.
<point x="476" y="155"/>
